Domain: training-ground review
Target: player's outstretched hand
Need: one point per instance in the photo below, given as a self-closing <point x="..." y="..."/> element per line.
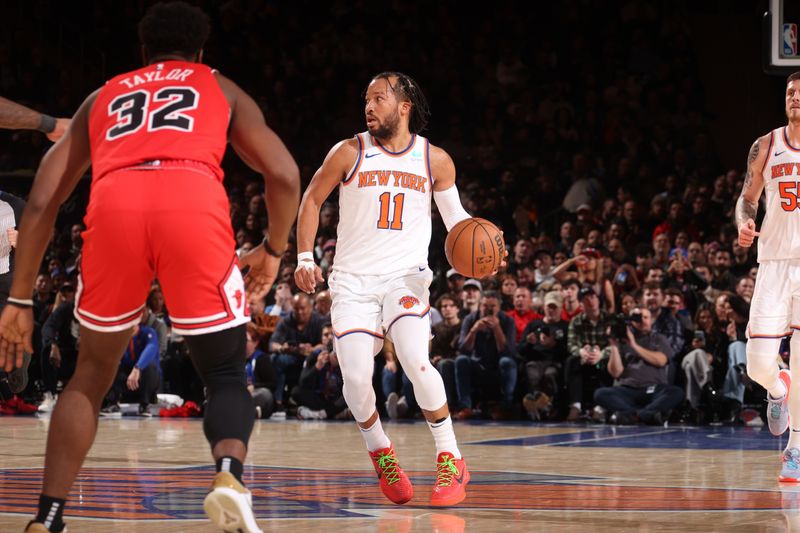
<point x="16" y="327"/>
<point x="307" y="275"/>
<point x="61" y="127"/>
<point x="747" y="233"/>
<point x="262" y="274"/>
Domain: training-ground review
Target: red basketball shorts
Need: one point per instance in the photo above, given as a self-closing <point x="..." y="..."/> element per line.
<point x="170" y="224"/>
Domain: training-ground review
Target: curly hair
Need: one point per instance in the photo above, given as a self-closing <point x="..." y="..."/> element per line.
<point x="174" y="27"/>
<point x="408" y="90"/>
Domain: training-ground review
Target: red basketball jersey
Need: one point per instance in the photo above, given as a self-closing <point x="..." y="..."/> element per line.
<point x="173" y="110"/>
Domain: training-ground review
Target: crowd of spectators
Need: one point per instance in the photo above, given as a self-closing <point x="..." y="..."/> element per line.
<point x="626" y="295"/>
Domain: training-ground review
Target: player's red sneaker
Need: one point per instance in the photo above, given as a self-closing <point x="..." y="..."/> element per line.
<point x="22" y="408"/>
<point x="452" y="477"/>
<point x="395" y="484"/>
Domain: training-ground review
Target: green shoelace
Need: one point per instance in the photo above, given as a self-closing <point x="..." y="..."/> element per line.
<point x="388" y="465"/>
<point x="445" y="470"/>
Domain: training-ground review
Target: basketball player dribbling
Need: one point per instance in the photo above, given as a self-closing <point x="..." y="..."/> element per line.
<point x="773" y="165"/>
<point x="379" y="283"/>
<point x="155" y="138"/>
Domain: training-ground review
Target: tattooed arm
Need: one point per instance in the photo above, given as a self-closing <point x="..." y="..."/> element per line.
<point x="14" y="116"/>
<point x="747" y="204"/>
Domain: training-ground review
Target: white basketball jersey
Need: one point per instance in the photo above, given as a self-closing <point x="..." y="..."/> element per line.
<point x="385" y="209"/>
<point x="780" y="231"/>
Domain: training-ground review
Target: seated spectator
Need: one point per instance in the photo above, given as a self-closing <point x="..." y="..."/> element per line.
<point x="663" y="320"/>
<point x="295" y="338"/>
<point x="319" y="392"/>
<point x="138" y="375"/>
<point x="283" y="301"/>
<point x="322" y="305"/>
<point x="736" y="331"/>
<point x="522" y="255"/>
<point x="569" y="295"/>
<point x="60" y="334"/>
<point x="522" y="313"/>
<point x="745" y="286"/>
<point x="585" y="367"/>
<point x="260" y="374"/>
<point x="639" y="363"/>
<point x="486" y="362"/>
<point x="543" y="262"/>
<point x="508" y="285"/>
<point x="445" y="344"/>
<point x="470" y="297"/>
<point x="544" y="349"/>
<point x="397" y="406"/>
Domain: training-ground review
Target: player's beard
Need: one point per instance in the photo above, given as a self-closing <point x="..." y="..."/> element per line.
<point x="388" y="128"/>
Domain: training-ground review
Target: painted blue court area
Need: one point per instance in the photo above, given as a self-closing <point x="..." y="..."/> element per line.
<point x="693" y="438"/>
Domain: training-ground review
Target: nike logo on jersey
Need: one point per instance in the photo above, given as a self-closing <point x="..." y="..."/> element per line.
<point x="779" y="153"/>
<point x="421" y="269"/>
<point x="367" y="156"/>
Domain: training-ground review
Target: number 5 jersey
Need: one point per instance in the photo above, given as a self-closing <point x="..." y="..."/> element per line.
<point x="780" y="231"/>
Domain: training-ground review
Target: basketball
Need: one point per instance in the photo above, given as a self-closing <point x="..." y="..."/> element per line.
<point x="475" y="247"/>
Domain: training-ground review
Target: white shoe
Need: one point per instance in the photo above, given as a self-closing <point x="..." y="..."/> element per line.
<point x="304" y="413"/>
<point x="402" y="407"/>
<point x="48" y="402"/>
<point x="391" y="405"/>
<point x="230" y="506"/>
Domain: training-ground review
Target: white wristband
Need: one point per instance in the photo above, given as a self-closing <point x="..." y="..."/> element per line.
<point x="305" y="256"/>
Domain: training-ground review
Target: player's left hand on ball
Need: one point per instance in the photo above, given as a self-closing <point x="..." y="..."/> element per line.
<point x="503" y="263"/>
<point x="263" y="271"/>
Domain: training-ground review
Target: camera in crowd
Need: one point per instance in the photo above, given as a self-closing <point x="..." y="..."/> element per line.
<point x="618" y="324"/>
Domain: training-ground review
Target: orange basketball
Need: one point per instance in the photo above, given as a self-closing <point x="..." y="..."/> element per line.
<point x="475" y="247"/>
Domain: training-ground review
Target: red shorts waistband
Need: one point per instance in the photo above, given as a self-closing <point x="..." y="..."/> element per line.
<point x="170" y="164"/>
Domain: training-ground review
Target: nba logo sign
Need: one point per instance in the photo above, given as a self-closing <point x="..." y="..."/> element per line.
<point x="790" y="39"/>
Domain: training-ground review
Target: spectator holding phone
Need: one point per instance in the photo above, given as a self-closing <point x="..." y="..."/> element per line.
<point x="295" y="337"/>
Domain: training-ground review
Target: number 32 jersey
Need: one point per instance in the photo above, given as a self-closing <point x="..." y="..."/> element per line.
<point x="173" y="110"/>
<point x="385" y="209"/>
<point x="780" y="231"/>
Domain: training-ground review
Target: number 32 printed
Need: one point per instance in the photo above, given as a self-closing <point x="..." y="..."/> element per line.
<point x="132" y="111"/>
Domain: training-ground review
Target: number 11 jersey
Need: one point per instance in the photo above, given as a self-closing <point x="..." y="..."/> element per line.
<point x="385" y="209"/>
<point x="172" y="110"/>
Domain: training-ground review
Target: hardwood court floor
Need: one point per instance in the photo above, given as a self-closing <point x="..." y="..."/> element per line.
<point x="151" y="475"/>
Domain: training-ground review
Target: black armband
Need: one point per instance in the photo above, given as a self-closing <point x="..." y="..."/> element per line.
<point x="269" y="249"/>
<point x="47" y="124"/>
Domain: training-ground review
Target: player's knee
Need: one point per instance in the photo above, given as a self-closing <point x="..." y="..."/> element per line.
<point x="229" y="414"/>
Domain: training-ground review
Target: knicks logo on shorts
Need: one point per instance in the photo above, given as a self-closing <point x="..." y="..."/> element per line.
<point x="408" y="302"/>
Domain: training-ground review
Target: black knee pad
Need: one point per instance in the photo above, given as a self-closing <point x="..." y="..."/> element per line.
<point x="220" y="360"/>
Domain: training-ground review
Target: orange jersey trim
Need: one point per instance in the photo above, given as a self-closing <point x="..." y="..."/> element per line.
<point x="398" y="317"/>
<point x="769" y="151"/>
<point x="358" y="161"/>
<point x="377" y="143"/>
<point x="356" y="330"/>
<point x="786" y="142"/>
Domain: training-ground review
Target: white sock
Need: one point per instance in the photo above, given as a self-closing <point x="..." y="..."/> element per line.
<point x="794" y="438"/>
<point x="778" y="391"/>
<point x="374" y="436"/>
<point x="444" y="437"/>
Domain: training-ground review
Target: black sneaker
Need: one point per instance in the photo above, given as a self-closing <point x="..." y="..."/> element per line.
<point x="18" y="378"/>
<point x="144" y="410"/>
<point x="111" y="411"/>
